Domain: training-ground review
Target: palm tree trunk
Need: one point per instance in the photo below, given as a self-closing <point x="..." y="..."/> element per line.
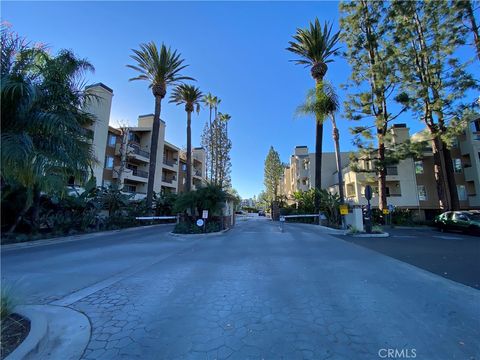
<point x="336" y="140"/>
<point x="318" y="153"/>
<point x="153" y="152"/>
<point x="189" y="151"/>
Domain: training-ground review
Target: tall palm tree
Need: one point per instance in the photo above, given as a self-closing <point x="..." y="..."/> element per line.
<point x="161" y="69"/>
<point x="315" y="47"/>
<point x="191" y="96"/>
<point x="326" y="105"/>
<point x="210" y="101"/>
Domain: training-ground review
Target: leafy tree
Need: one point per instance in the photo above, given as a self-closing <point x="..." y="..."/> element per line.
<point x="428" y="34"/>
<point x="315" y="47"/>
<point x="190" y="96"/>
<point x="161" y="69"/>
<point x="209" y="197"/>
<point x="224" y="148"/>
<point x="43" y="140"/>
<point x="371" y="53"/>
<point x="215" y="140"/>
<point x="164" y="203"/>
<point x="273" y="174"/>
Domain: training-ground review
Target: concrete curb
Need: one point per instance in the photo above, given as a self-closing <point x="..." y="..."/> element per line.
<point x="202" y="235"/>
<point x="38" y="333"/>
<point x="382" y="235"/>
<point x="67" y="239"/>
<point x="56" y="332"/>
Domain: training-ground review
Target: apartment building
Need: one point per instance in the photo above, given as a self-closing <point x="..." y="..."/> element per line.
<point x="410" y="183"/>
<point x="299" y="174"/>
<point x="199" y="169"/>
<point x="126" y="152"/>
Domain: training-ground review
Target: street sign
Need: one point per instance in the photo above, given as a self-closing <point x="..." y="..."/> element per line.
<point x="368" y="192"/>
<point x="282" y="218"/>
<point x="386" y="211"/>
<point x="391" y="208"/>
<point x="343" y="209"/>
<point x="205" y="214"/>
<point x="200" y="222"/>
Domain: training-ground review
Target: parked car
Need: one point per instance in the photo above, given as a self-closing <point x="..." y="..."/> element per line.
<point x="466" y="221"/>
<point x="261" y="213"/>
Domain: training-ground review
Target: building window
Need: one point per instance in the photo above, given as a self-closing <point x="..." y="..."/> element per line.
<point x="129" y="188"/>
<point x="305" y="164"/>
<point x="133" y="137"/>
<point x="457" y="165"/>
<point x="112" y="139"/>
<point x="475" y="126"/>
<point x="392" y="170"/>
<point x="462" y="192"/>
<point x="419" y="167"/>
<point x="109" y="162"/>
<point x="422" y="192"/>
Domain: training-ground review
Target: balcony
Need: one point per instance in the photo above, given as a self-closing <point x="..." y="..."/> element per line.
<point x="470" y="173"/>
<point x="169" y="162"/>
<point x="140" y="173"/>
<point x="169" y="180"/>
<point x="197" y="173"/>
<point x="131" y="174"/>
<point x="136" y="150"/>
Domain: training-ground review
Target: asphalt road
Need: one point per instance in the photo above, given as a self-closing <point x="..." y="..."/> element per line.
<point x="452" y="255"/>
<point x="251" y="293"/>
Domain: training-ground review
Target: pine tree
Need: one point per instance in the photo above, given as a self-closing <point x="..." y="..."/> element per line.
<point x="273" y="174"/>
<point x="370" y="52"/>
<point x="428" y="33"/>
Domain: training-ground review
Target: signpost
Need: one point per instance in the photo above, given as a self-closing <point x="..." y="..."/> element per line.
<point x="204" y="221"/>
<point x="282" y="221"/>
<point x="368" y="216"/>
<point x="343" y="209"/>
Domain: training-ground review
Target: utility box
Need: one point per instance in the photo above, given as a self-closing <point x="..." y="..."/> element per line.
<point x="354" y="219"/>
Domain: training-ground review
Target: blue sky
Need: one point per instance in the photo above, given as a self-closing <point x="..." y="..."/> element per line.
<point x="235" y="50"/>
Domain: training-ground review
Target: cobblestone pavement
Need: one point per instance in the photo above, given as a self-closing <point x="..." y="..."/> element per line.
<point x="256" y="293"/>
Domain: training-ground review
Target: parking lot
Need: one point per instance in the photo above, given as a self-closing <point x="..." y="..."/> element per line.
<point x="455" y="256"/>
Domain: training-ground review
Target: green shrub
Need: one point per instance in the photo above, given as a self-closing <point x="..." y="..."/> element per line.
<point x="7" y="301"/>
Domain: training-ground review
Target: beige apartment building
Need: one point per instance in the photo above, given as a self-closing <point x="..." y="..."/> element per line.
<point x="410" y="183"/>
<point x="124" y="154"/>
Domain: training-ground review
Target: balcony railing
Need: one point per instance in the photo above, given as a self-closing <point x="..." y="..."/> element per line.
<point x="138" y="151"/>
<point x="170" y="162"/>
<point x="392" y="170"/>
<point x="197" y="173"/>
<point x="169" y="180"/>
<point x="140" y="173"/>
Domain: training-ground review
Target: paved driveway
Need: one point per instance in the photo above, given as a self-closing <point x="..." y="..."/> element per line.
<point x="455" y="256"/>
<point x="256" y="293"/>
